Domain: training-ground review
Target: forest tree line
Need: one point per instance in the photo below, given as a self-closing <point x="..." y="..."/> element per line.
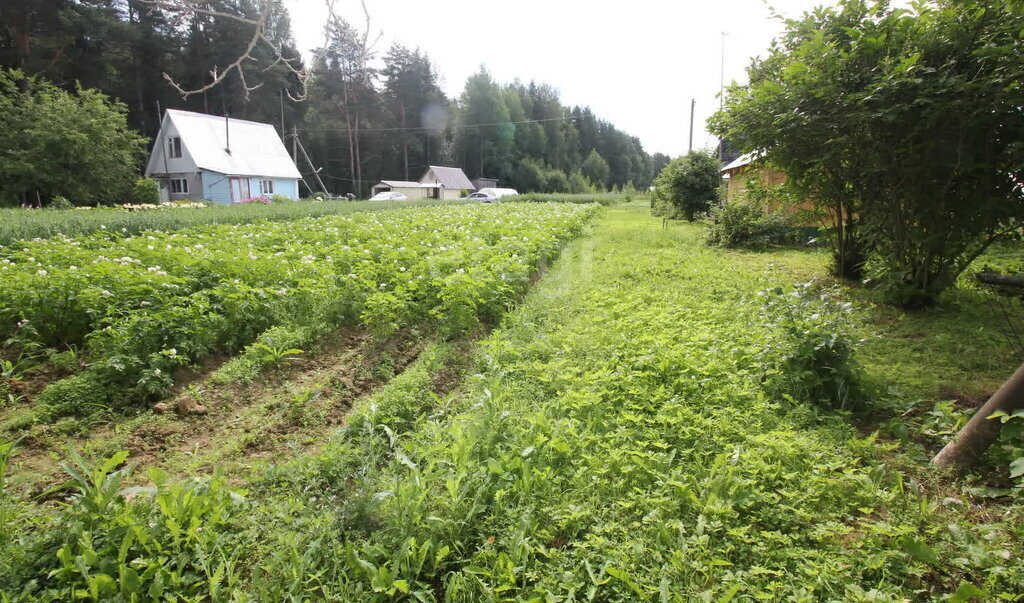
<point x="362" y="114"/>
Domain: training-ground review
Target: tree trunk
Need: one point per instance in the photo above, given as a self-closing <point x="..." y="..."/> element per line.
<point x="994" y="278"/>
<point x="980" y="432"/>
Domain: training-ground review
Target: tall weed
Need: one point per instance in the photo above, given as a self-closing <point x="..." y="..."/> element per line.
<point x="809" y="354"/>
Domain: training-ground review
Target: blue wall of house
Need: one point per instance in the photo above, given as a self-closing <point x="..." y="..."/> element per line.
<point x="217" y="187"/>
<point x="288" y="188"/>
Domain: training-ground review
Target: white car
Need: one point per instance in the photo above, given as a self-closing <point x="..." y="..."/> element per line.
<point x="482" y="198"/>
<point x="389" y="196"/>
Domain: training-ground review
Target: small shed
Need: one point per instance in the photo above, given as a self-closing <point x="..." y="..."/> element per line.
<point x="224" y="160"/>
<point x="737" y="173"/>
<point x="437" y="182"/>
<point x="479" y="183"/>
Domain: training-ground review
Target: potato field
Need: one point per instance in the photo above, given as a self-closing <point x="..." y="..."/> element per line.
<point x="502" y="402"/>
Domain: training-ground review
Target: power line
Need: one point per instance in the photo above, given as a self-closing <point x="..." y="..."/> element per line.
<point x="421" y="130"/>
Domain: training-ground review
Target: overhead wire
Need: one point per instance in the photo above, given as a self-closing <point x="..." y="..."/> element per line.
<point x="422" y="129"/>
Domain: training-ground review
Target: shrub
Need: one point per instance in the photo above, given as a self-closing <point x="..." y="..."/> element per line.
<point x="747" y="221"/>
<point x="41" y="160"/>
<point x="809" y="354"/>
<point x="687" y="186"/>
<point x="146" y="191"/>
<point x="905" y="122"/>
<point x="580" y="184"/>
<point x="61" y="203"/>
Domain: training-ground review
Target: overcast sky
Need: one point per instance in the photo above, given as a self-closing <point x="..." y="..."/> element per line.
<point x="636" y="63"/>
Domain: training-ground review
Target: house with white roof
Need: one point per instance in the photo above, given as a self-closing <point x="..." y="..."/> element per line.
<point x="225" y="160"/>
<point x="436" y="183"/>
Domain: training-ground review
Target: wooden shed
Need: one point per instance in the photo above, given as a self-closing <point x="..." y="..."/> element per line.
<point x="438" y="182"/>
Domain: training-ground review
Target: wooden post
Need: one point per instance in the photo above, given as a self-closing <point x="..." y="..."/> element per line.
<point x="980" y="432"/>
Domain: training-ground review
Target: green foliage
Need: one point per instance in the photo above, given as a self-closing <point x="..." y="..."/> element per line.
<point x="596" y="169"/>
<point x="7" y="510"/>
<point x="580" y="184"/>
<point x="271" y="347"/>
<point x="60" y="202"/>
<point x="1010" y="448"/>
<point x="170" y="538"/>
<point x="79" y="395"/>
<point x="748" y="219"/>
<point x="145" y="306"/>
<point x="810" y="353"/>
<point x="584" y="198"/>
<point x="903" y="124"/>
<point x="17" y="224"/>
<point x="616" y="442"/>
<point x="76" y="145"/>
<point x="146" y="190"/>
<point x="687" y="186"/>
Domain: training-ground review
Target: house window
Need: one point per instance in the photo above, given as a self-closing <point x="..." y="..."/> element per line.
<point x="174" y="147"/>
<point x="266" y="187"/>
<point x="179" y="186"/>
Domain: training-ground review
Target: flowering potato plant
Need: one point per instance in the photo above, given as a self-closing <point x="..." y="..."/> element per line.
<point x="129" y="300"/>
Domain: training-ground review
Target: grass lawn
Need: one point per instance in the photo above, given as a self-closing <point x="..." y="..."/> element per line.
<point x="617" y="442"/>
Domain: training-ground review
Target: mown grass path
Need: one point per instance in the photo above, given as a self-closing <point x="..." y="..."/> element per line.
<point x="619" y="446"/>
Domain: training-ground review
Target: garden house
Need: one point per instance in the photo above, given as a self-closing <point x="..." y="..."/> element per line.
<point x="199" y="156"/>
<point x="436" y="183"/>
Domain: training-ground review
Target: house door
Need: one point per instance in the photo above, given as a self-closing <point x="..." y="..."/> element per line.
<point x="240" y="190"/>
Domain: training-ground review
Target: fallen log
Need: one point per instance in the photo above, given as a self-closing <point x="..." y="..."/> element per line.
<point x="995" y="278"/>
<point x="980" y="432"/>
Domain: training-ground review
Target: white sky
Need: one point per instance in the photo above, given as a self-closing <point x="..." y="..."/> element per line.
<point x="636" y="63"/>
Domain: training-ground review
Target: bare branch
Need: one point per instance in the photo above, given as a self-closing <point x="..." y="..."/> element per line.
<point x="259" y="35"/>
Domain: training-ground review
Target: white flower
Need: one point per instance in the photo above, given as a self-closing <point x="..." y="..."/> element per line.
<point x="282" y="291"/>
<point x="106" y="293"/>
<point x="72" y="267"/>
<point x="22" y="323"/>
<point x="156" y="371"/>
<point x="172" y="352"/>
<point x="42" y="273"/>
<point x="350" y="275"/>
<point x="146" y="303"/>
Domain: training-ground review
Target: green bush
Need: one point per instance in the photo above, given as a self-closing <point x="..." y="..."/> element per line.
<point x="73" y="142"/>
<point x="747" y="221"/>
<point x="146" y="191"/>
<point x="687" y="187"/>
<point x="746" y="224"/>
<point x="61" y="202"/>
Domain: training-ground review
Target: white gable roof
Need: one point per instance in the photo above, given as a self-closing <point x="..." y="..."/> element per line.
<point x="256" y="149"/>
<point x="741" y="161"/>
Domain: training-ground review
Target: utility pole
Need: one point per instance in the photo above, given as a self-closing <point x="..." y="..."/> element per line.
<point x="282" y="111"/>
<point x="295" y="144"/>
<point x="316" y="172"/>
<point x="721" y="95"/>
<point x="693" y="106"/>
